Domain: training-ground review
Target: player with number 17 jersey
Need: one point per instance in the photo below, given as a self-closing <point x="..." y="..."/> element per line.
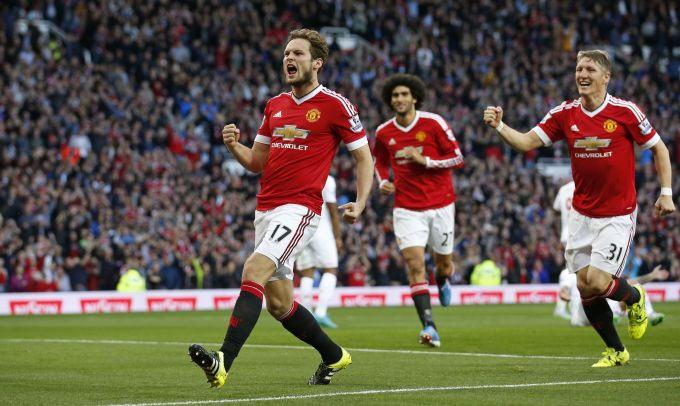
<point x="303" y="135"/>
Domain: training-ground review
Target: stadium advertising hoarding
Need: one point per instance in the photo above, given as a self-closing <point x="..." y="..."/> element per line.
<point x="222" y="299"/>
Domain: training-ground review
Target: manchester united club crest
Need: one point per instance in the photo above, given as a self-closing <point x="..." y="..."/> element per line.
<point x="421" y="136"/>
<point x="610" y="126"/>
<point x="313" y="115"/>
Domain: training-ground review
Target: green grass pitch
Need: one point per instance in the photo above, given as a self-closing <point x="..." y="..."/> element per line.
<point x="505" y="354"/>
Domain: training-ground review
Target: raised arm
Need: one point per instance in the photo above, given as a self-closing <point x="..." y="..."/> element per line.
<point x="664" y="204"/>
<point x="523" y="142"/>
<point x="253" y="159"/>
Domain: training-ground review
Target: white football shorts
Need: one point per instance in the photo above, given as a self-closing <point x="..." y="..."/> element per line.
<point x="281" y="233"/>
<point x="433" y="227"/>
<point x="321" y="252"/>
<point x="601" y="242"/>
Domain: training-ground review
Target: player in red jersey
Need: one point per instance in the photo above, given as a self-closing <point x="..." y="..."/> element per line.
<point x="421" y="150"/>
<point x="293" y="149"/>
<point x="600" y="130"/>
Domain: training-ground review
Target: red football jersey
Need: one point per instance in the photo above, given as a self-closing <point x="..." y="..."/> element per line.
<point x="602" y="154"/>
<point x="303" y="135"/>
<point x="418" y="187"/>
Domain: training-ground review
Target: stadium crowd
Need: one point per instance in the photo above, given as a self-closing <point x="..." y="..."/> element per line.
<point x="111" y="155"/>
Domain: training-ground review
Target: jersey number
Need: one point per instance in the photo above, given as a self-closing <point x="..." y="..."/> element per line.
<point x="285" y="231"/>
<point x="446" y="238"/>
<point x="614" y="253"/>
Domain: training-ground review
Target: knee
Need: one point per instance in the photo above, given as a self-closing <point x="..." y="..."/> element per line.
<point x="415" y="266"/>
<point x="258" y="268"/>
<point x="277" y="307"/>
<point x="593" y="286"/>
<point x="586" y="289"/>
<point x="333" y="271"/>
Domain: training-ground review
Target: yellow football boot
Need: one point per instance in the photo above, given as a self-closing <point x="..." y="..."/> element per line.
<point x="324" y="372"/>
<point x="612" y="358"/>
<point x="637" y="316"/>
<point x="212" y="364"/>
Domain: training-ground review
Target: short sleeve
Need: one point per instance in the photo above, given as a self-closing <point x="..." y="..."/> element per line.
<point x="348" y="125"/>
<point x="549" y="130"/>
<point x="639" y="127"/>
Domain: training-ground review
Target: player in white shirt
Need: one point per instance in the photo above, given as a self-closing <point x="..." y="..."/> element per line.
<point x="322" y="253"/>
<point x="562" y="204"/>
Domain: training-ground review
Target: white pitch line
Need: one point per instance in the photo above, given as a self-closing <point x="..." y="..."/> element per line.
<point x="401" y="390"/>
<point x="298" y="347"/>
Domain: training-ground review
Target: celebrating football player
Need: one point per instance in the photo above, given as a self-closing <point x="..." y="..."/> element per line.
<point x="600" y="131"/>
<point x="421" y="150"/>
<point x="293" y="150"/>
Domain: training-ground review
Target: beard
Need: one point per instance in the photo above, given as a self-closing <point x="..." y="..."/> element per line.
<point x="303" y="78"/>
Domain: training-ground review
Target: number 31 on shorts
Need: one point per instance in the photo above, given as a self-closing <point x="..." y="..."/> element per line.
<point x="615" y="252"/>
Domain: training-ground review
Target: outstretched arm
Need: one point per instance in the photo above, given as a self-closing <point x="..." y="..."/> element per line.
<point x="523" y="142"/>
<point x="664" y="204"/>
<point x="253" y="159"/>
<point x="658" y="274"/>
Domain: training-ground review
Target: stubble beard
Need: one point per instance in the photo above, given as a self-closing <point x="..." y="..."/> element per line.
<point x="305" y="78"/>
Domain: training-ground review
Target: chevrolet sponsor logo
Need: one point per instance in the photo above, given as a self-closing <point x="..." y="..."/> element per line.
<point x="592" y="143"/>
<point x="290" y="132"/>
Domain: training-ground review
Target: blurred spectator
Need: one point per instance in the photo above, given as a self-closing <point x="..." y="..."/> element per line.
<point x="110" y="143"/>
<point x="3" y="276"/>
<point x="486" y="273"/>
<point x="131" y="281"/>
<point x="357" y="268"/>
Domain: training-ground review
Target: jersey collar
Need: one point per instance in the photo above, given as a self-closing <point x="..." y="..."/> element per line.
<point x="597" y="110"/>
<point x="410" y="126"/>
<point x="307" y="96"/>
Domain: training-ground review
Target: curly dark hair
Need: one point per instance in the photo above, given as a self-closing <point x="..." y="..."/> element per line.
<point x="414" y="84"/>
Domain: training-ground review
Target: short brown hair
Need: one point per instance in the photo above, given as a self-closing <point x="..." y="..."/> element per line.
<point x="599" y="56"/>
<point x="317" y="44"/>
<point x="414" y="84"/>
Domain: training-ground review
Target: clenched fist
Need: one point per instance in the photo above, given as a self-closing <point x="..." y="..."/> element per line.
<point x="493" y="116"/>
<point x="230" y="135"/>
<point x="351" y="212"/>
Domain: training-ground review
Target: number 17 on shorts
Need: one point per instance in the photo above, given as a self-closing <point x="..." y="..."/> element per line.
<point x="281" y="233"/>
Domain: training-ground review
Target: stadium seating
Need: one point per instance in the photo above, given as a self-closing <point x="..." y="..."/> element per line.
<point x="110" y="148"/>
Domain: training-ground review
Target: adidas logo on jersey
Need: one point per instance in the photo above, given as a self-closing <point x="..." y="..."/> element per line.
<point x="392" y="141"/>
<point x="574" y="128"/>
<point x="277" y="115"/>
